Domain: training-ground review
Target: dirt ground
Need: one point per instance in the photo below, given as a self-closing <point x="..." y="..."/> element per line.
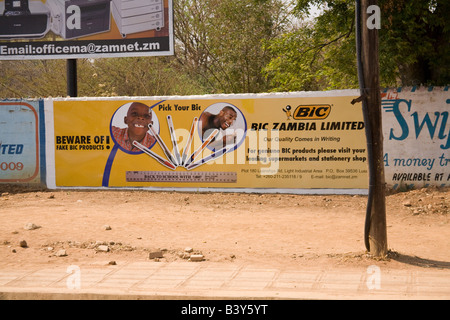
<point x="293" y="231"/>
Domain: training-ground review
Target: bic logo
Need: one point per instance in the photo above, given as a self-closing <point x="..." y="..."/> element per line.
<point x="312" y="112"/>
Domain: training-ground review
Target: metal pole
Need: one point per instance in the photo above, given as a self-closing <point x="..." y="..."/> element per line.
<point x="72" y="87"/>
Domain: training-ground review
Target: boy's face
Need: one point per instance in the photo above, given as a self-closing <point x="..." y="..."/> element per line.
<point x="138" y="118"/>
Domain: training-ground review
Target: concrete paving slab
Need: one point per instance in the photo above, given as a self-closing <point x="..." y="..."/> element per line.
<point x="202" y="280"/>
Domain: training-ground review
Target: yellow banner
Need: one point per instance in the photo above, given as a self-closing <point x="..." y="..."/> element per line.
<point x="250" y="142"/>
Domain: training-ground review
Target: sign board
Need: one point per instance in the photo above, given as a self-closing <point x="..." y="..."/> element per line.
<point x="416" y="130"/>
<point x="22" y="152"/>
<point x="70" y="29"/>
<point x="304" y="142"/>
<point x="282" y="142"/>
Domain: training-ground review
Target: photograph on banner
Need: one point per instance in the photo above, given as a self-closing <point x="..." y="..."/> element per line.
<point x="237" y="142"/>
<point x="19" y="142"/>
<point x="131" y="122"/>
<point x="70" y="29"/>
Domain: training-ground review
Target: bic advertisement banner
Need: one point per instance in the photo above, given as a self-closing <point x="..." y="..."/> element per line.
<point x="274" y="141"/>
<point x="22" y="152"/>
<point x="70" y="29"/>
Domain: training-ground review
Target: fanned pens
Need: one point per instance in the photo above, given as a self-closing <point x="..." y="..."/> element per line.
<point x="212" y="156"/>
<point x="188" y="143"/>
<point x="162" y="161"/>
<point x="202" y="147"/>
<point x="162" y="145"/>
<point x="173" y="137"/>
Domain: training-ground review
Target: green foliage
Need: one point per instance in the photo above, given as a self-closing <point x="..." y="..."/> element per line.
<point x="101" y="77"/>
<point x="228" y="46"/>
<point x="317" y="55"/>
<point x="414" y="46"/>
<point x="139" y="76"/>
<point x="415" y="41"/>
<point x="32" y="78"/>
<point x="220" y="41"/>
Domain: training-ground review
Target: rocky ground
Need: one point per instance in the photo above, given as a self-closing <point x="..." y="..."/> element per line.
<point x="109" y="227"/>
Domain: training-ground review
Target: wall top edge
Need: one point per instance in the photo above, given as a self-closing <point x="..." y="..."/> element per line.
<point x="294" y="94"/>
<point x="417" y="89"/>
<point x="348" y="92"/>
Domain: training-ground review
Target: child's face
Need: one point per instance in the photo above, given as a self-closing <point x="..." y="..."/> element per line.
<point x="138" y="118"/>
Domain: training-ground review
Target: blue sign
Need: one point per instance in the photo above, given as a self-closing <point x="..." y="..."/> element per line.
<point x="20" y="156"/>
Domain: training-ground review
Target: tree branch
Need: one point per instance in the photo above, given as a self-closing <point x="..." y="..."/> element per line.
<point x="323" y="45"/>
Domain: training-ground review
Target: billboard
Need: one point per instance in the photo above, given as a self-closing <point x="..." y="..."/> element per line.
<point x="66" y="29"/>
<point x="231" y="142"/>
<point x="416" y="130"/>
<point x="304" y="142"/>
<point x="22" y="137"/>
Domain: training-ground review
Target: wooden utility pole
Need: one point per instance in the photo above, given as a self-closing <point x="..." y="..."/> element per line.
<point x="372" y="96"/>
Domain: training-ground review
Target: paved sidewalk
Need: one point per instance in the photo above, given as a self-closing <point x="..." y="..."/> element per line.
<point x="208" y="280"/>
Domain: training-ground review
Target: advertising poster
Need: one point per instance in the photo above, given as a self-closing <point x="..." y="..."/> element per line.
<point x="21" y="142"/>
<point x="70" y="29"/>
<point x="273" y="141"/>
<point x="416" y="130"/>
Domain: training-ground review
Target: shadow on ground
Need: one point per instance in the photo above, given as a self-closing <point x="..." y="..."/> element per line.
<point x="419" y="262"/>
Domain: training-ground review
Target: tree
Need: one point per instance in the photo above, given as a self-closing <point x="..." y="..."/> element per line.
<point x="32" y="78"/>
<point x="220" y="42"/>
<point x="318" y="54"/>
<point x="141" y="76"/>
<point x="218" y="48"/>
<point x="228" y="46"/>
<point x="416" y="36"/>
<point x="134" y="76"/>
<point x="414" y="46"/>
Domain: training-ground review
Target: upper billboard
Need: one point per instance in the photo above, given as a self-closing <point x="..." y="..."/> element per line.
<point x="69" y="29"/>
